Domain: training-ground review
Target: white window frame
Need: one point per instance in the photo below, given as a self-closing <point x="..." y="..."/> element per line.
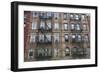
<point x="71" y="16"/>
<point x="66" y="36"/>
<point x="49" y="14"/>
<point x="78" y="27"/>
<point x="65" y="15"/>
<point x="33" y="37"/>
<point x="56" y="37"/>
<point x="30" y="50"/>
<point x="77" y="17"/>
<point x="56" y="25"/>
<point x="73" y="36"/>
<point x="79" y="37"/>
<point x="42" y="24"/>
<point x="34" y="25"/>
<point x="84" y="27"/>
<point x="56" y="15"/>
<point x="66" y="26"/>
<point x="49" y="25"/>
<point x="83" y="17"/>
<point x="41" y="37"/>
<point x="86" y="38"/>
<point x="48" y="36"/>
<point x="72" y="26"/>
<point x="35" y="15"/>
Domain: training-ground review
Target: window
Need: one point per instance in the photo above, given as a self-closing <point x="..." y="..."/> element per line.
<point x="77" y="17"/>
<point x="83" y="17"/>
<point x="66" y="26"/>
<point x="48" y="38"/>
<point x="56" y="26"/>
<point x="40" y="51"/>
<point x="42" y="13"/>
<point x="72" y="26"/>
<point x="34" y="25"/>
<point x="67" y="51"/>
<point x="65" y="16"/>
<point x="86" y="38"/>
<point x="78" y="27"/>
<point x="33" y="37"/>
<point x="49" y="52"/>
<point x="56" y="52"/>
<point x="71" y="16"/>
<point x="78" y="38"/>
<point x="35" y="14"/>
<point x="42" y="25"/>
<point x="84" y="27"/>
<point x="66" y="37"/>
<point x="56" y="15"/>
<point x="49" y="14"/>
<point x="73" y="37"/>
<point x="30" y="54"/>
<point x="48" y="25"/>
<point x="56" y="37"/>
<point x="41" y="38"/>
<point x="46" y="52"/>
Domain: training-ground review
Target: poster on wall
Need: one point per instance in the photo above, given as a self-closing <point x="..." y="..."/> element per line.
<point x="52" y="36"/>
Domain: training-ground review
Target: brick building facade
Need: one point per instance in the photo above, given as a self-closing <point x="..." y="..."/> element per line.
<point x="56" y="36"/>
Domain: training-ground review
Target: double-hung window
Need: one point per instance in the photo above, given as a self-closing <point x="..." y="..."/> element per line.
<point x="72" y="26"/>
<point x="42" y="25"/>
<point x="33" y="37"/>
<point x="65" y="26"/>
<point x="34" y="25"/>
<point x="77" y="17"/>
<point x="48" y="25"/>
<point x="56" y="15"/>
<point x="56" y="37"/>
<point x="66" y="37"/>
<point x="56" y="26"/>
<point x="41" y="38"/>
<point x="78" y="27"/>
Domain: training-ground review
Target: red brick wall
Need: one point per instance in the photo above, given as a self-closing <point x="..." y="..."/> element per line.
<point x="27" y="29"/>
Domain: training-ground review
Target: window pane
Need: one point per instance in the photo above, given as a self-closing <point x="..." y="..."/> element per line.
<point x="71" y="16"/>
<point x="48" y="38"/>
<point x="78" y="37"/>
<point x="41" y="38"/>
<point x="35" y="14"/>
<point x="56" y="15"/>
<point x="56" y="37"/>
<point x="66" y="37"/>
<point x="56" y="52"/>
<point x="83" y="17"/>
<point x="78" y="27"/>
<point x="48" y="25"/>
<point x="65" y="16"/>
<point x="34" y="25"/>
<point x="84" y="27"/>
<point x="30" y="54"/>
<point x="77" y="17"/>
<point x="42" y="25"/>
<point x="72" y="26"/>
<point x="65" y="26"/>
<point x="73" y="36"/>
<point x="86" y="38"/>
<point x="67" y="51"/>
<point x="33" y="37"/>
<point x="56" y="26"/>
<point x="49" y="14"/>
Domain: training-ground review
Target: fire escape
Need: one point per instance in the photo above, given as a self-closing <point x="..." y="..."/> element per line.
<point x="44" y="29"/>
<point x="77" y="41"/>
